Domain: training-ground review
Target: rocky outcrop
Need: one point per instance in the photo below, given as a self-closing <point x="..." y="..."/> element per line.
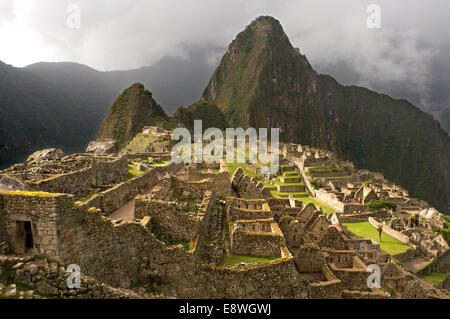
<point x="47" y="154"/>
<point x="48" y="279"/>
<point x="103" y="147"/>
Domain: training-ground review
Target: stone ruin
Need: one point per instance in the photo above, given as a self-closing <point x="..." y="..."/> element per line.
<point x="184" y="225"/>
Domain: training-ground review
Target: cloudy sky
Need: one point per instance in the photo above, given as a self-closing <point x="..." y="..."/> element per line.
<point x="408" y="57"/>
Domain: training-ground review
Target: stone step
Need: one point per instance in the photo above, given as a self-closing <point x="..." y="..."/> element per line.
<point x="289" y="173"/>
<point x="286" y="168"/>
<point x="290" y="188"/>
<point x="288" y="179"/>
<point x="286" y="195"/>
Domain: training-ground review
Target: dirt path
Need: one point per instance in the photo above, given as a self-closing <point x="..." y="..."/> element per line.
<point x="127" y="210"/>
<point x="416" y="264"/>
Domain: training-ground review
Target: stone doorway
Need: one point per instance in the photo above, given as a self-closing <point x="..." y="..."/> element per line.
<point x="29" y="242"/>
<point x="24" y="240"/>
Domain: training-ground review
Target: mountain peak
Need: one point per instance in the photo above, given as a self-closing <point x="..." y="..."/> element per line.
<point x="130" y="112"/>
<point x="263" y="81"/>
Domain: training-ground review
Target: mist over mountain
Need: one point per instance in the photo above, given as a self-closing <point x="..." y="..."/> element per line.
<point x="64" y="104"/>
<point x="263" y="81"/>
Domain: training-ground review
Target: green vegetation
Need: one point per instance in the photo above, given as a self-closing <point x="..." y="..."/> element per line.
<point x="380" y="204"/>
<point x="323" y="169"/>
<point x="297" y="195"/>
<point x="163" y="163"/>
<point x="209" y="113"/>
<point x="445" y="231"/>
<point x="90" y="194"/>
<point x="236" y="259"/>
<point x="232" y="167"/>
<point x="185" y="244"/>
<point x="325" y="208"/>
<point x="130" y="112"/>
<point x="132" y="172"/>
<point x="388" y="244"/>
<point x="244" y="89"/>
<point x="435" y="278"/>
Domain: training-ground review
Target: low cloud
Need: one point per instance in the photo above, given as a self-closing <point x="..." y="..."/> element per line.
<point x="405" y="58"/>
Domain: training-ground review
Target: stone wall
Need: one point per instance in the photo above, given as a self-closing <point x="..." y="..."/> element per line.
<point x="102" y="171"/>
<point x="49" y="279"/>
<point x="114" y="198"/>
<point x="145" y="156"/>
<point x="439" y="264"/>
<point x="330" y="199"/>
<point x="331" y="288"/>
<point x="39" y="209"/>
<point x="242" y="213"/>
<point x="191" y="189"/>
<point x="309" y="258"/>
<point x="168" y="222"/>
<point x="220" y="181"/>
<point x="126" y="254"/>
<point x="389" y="231"/>
<point x="259" y="244"/>
<point x="349" y="208"/>
<point x="211" y="231"/>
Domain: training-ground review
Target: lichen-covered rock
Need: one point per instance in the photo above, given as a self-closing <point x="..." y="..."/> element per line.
<point x="103" y="147"/>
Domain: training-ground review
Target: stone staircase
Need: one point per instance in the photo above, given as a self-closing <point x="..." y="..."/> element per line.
<point x="289" y="182"/>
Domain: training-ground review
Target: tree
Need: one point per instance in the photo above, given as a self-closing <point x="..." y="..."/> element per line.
<point x="380" y="230"/>
<point x="379" y="204"/>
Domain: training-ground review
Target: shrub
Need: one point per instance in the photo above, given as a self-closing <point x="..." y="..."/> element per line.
<point x="379" y="204"/>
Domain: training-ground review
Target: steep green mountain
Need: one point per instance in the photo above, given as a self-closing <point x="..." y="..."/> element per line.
<point x="262" y="81"/>
<point x="130" y="112"/>
<point x="210" y="115"/>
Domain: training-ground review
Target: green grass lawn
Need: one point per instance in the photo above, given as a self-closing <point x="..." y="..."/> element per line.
<point x="132" y="172"/>
<point x="434" y="278"/>
<point x="325" y="208"/>
<point x="236" y="259"/>
<point x="277" y="182"/>
<point x="388" y="244"/>
<point x="164" y="163"/>
<point x="232" y="167"/>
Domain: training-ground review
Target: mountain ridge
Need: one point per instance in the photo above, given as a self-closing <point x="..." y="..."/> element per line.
<point x="263" y="81"/>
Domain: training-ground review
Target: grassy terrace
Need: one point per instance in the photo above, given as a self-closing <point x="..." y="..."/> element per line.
<point x="236" y="259"/>
<point x="133" y="172"/>
<point x="435" y="278"/>
<point x="164" y="163"/>
<point x="232" y="167"/>
<point x="325" y="208"/>
<point x="388" y="244"/>
<point x="297" y="195"/>
<point x="302" y="196"/>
